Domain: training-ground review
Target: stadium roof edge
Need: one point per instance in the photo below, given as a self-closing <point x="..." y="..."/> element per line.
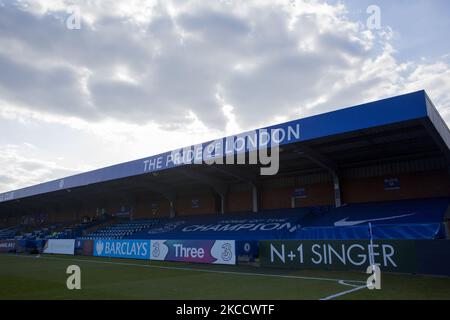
<point x="403" y="108"/>
<point x="438" y="123"/>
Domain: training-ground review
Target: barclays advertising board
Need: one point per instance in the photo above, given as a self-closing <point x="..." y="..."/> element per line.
<point x="7" y="245"/>
<point x="131" y="249"/>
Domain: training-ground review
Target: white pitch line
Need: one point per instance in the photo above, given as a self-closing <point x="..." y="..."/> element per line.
<point x="356" y="288"/>
<point x="197" y="270"/>
<point x="344" y="283"/>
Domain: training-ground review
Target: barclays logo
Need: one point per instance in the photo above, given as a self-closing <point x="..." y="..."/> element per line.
<point x="99" y="247"/>
<point x="137" y="249"/>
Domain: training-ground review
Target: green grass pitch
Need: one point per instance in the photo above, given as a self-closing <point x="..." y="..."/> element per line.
<point x="44" y="277"/>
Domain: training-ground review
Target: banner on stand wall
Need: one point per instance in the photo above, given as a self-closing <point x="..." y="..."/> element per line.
<point x="130" y="249"/>
<point x="7" y="245"/>
<point x="197" y="251"/>
<point x="404" y="256"/>
<point x="60" y="246"/>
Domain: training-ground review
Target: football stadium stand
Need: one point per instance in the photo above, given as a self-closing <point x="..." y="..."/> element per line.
<point x="8" y="233"/>
<point x="410" y="219"/>
<point x="120" y="230"/>
<point x="386" y="163"/>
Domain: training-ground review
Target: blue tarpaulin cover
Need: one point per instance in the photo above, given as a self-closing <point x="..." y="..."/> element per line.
<point x="409" y="219"/>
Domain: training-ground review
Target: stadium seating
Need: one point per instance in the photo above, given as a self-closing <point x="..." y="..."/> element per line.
<point x="409" y="219"/>
<point x="8" y="233"/>
<point x="68" y="230"/>
<point x="120" y="230"/>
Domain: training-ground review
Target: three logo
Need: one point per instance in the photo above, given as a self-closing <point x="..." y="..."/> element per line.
<point x="156" y="250"/>
<point x="227" y="253"/>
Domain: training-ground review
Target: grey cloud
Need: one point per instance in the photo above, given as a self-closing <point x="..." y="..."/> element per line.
<point x="55" y="89"/>
<point x="20" y="171"/>
<point x="180" y="64"/>
<point x="112" y="41"/>
<point x="6" y="180"/>
<point x="170" y="83"/>
<point x="217" y="28"/>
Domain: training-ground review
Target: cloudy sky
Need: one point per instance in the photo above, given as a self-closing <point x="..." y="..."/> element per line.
<point x="142" y="77"/>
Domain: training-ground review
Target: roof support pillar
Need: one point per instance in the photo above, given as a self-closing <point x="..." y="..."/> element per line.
<point x="337" y="190"/>
<point x="328" y="165"/>
<point x="131" y="203"/>
<point x="168" y="192"/>
<point x="219" y="187"/>
<point x="172" y="212"/>
<point x="171" y="197"/>
<point x="222" y="191"/>
<point x="255" y="197"/>
<point x="223" y="202"/>
<point x="242" y="175"/>
<point x="131" y="213"/>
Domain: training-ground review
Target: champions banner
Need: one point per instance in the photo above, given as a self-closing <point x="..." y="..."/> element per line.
<point x="7" y="245"/>
<point x="131" y="249"/>
<point x="60" y="246"/>
<point x="198" y="251"/>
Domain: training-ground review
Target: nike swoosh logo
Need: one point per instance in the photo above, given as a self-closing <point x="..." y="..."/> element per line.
<point x="346" y="223"/>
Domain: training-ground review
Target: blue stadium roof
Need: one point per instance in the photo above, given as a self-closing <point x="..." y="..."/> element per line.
<point x="397" y="110"/>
